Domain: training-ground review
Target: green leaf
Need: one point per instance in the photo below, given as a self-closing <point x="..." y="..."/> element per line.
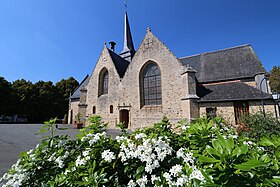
<point x="225" y="145"/>
<point x="213" y="151"/>
<point x="265" y="158"/>
<point x="236" y="152"/>
<point x="231" y="143"/>
<point x="217" y="146"/>
<point x="244" y="149"/>
<point x="276" y="179"/>
<point x="247" y="166"/>
<point x="207" y="159"/>
<point x="265" y="141"/>
<point x="23" y="154"/>
<point x="140" y="169"/>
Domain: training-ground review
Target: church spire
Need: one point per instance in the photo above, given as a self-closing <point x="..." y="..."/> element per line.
<point x="128" y="47"/>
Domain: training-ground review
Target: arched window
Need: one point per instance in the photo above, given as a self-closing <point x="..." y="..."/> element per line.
<point x="103" y="82"/>
<point x="111" y="109"/>
<point x="150" y="78"/>
<point x="94" y="110"/>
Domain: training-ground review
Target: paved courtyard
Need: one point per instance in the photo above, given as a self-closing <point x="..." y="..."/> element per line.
<point x="15" y="138"/>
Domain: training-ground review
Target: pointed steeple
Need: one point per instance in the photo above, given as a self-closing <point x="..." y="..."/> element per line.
<point x="128" y="47"/>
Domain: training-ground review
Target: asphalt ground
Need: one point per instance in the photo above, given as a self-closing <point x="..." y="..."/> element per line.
<point x="15" y="138"/>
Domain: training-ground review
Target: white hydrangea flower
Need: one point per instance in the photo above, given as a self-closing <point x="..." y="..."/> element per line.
<point x="33" y="157"/>
<point x="108" y="156"/>
<point x="140" y="136"/>
<point x="182" y="180"/>
<point x="187" y="157"/>
<point x="176" y="170"/>
<point x="142" y="181"/>
<point x="80" y="162"/>
<point x="196" y="174"/>
<point x="121" y="138"/>
<point x="85" y="153"/>
<point x="260" y="148"/>
<point x="59" y="144"/>
<point x="234" y="136"/>
<point x="167" y="177"/>
<point x="52" y="157"/>
<point x="154" y="178"/>
<point x="84" y="139"/>
<point x="67" y="171"/>
<point x="30" y="151"/>
<point x="249" y="143"/>
<point x="59" y="161"/>
<point x="131" y="183"/>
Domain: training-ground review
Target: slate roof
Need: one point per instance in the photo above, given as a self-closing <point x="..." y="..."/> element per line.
<point x="229" y="91"/>
<point x="227" y="64"/>
<point x="120" y="63"/>
<point x="76" y="92"/>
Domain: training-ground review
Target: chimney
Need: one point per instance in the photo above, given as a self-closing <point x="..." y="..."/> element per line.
<point x="112" y="45"/>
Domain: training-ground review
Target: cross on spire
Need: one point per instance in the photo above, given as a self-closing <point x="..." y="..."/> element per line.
<point x="125" y="4"/>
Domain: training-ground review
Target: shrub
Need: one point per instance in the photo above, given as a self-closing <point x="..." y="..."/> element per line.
<point x="257" y="125"/>
<point x="201" y="153"/>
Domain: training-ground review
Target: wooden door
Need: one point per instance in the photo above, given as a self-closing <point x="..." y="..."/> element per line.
<point x="124" y="117"/>
<point x="240" y="109"/>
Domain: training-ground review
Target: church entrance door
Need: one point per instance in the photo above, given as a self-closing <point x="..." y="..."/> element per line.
<point x="124" y="117"/>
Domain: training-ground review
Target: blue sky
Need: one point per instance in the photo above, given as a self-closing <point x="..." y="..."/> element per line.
<point x="55" y="39"/>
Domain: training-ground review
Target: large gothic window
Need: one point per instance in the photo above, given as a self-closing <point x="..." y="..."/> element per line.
<point x="151" y="85"/>
<point x="103" y="82"/>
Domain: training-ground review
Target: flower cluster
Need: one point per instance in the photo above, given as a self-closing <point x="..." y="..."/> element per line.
<point x="82" y="159"/>
<point x="93" y="138"/>
<point x="18" y="176"/>
<point x="150" y="151"/>
<point x="108" y="156"/>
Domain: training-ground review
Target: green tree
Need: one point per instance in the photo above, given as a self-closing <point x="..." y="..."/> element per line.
<point x="274" y="79"/>
<point x="42" y="105"/>
<point x="24" y="95"/>
<point x="40" y="101"/>
<point x="6" y="97"/>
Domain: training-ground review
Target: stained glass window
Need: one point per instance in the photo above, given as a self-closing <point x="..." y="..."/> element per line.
<point x="103" y="83"/>
<point x="151" y="85"/>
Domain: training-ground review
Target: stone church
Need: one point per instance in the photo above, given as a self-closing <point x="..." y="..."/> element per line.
<point x="138" y="87"/>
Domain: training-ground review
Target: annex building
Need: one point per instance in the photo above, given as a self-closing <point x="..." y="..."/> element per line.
<point x="138" y="87"/>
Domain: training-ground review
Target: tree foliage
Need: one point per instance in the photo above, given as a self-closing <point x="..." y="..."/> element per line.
<point x="39" y="101"/>
<point x="274" y="79"/>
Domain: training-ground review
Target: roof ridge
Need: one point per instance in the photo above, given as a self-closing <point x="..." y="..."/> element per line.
<point x="189" y="56"/>
<point x="215" y="51"/>
<point x="113" y="52"/>
<point x="80" y="84"/>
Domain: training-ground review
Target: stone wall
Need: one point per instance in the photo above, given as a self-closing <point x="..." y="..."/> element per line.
<point x="226" y="109"/>
<point x="103" y="102"/>
<point x="74" y="106"/>
<point x="269" y="106"/>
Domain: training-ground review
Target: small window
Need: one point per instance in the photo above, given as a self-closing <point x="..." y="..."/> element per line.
<point x="93" y="109"/>
<point x="211" y="112"/>
<point x="111" y="109"/>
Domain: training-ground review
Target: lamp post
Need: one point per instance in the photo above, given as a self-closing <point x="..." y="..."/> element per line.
<point x="264" y="78"/>
<point x="276" y="97"/>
